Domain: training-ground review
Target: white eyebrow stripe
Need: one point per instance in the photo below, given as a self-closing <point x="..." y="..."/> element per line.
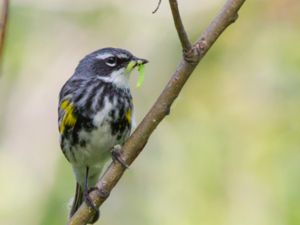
<point x="104" y="56"/>
<point x="123" y="56"/>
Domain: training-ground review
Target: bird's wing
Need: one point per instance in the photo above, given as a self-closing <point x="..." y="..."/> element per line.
<point x="67" y="116"/>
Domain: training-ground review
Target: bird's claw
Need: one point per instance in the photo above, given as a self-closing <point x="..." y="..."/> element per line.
<point x="88" y="201"/>
<point x="116" y="154"/>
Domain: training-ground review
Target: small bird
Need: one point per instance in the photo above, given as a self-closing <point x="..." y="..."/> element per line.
<point x="95" y="113"/>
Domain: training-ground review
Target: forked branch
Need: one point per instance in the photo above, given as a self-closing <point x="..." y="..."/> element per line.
<point x="183" y="37"/>
<point x="135" y="144"/>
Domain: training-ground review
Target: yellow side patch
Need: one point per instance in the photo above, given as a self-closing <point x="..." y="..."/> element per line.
<point x="128" y="116"/>
<point x="69" y="118"/>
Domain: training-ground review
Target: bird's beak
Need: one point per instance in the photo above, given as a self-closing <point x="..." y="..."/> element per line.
<point x="135" y="62"/>
<point x="140" y="61"/>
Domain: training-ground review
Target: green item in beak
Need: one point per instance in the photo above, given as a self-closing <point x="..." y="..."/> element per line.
<point x="130" y="66"/>
<point x="141" y="70"/>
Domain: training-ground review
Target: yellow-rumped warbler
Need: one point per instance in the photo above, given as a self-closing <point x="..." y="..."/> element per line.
<point x="95" y="113"/>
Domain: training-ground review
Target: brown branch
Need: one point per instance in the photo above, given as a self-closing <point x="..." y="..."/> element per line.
<point x="183" y="37"/>
<point x="157" y="7"/>
<point x="135" y="144"/>
<point x="3" y="23"/>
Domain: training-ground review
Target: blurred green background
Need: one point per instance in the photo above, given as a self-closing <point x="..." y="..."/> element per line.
<point x="228" y="154"/>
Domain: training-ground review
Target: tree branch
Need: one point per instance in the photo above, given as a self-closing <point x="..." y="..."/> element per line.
<point x="183" y="37"/>
<point x="135" y="144"/>
<point x="157" y="7"/>
<point x="3" y="23"/>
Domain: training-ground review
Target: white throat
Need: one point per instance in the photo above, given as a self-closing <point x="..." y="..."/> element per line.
<point x="120" y="78"/>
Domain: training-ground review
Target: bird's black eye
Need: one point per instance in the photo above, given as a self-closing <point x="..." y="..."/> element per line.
<point x="111" y="61"/>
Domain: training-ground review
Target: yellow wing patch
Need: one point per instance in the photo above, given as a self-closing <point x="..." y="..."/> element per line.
<point x="128" y="116"/>
<point x="69" y="119"/>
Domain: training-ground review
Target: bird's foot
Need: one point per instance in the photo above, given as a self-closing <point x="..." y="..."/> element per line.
<point x="116" y="154"/>
<point x="88" y="200"/>
<point x="91" y="205"/>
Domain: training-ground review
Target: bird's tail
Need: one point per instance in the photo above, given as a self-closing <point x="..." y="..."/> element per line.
<point x="78" y="199"/>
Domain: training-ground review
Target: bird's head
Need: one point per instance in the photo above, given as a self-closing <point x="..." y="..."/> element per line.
<point x="110" y="65"/>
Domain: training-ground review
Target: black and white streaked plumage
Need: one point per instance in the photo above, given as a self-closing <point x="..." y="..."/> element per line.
<point x="95" y="113"/>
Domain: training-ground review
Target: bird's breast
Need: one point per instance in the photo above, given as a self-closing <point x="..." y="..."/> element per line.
<point x="111" y="125"/>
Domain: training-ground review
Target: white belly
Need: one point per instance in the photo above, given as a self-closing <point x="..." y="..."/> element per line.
<point x="94" y="155"/>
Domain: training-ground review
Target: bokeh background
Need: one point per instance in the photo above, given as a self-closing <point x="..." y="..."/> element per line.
<point x="228" y="154"/>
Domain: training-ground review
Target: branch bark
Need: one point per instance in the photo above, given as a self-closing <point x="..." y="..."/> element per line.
<point x="135" y="144"/>
<point x="183" y="37"/>
<point x="157" y="7"/>
<point x="3" y="23"/>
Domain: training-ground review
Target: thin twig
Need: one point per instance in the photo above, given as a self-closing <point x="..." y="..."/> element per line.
<point x="135" y="144"/>
<point x="157" y="7"/>
<point x="3" y="23"/>
<point x="183" y="37"/>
